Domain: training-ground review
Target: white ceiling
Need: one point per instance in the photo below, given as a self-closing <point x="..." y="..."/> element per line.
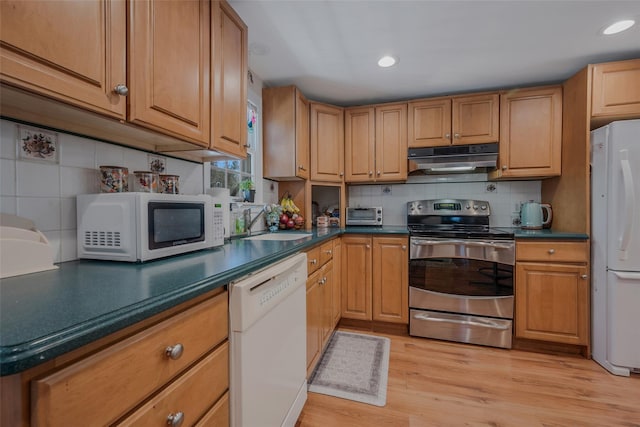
<point x="329" y="49"/>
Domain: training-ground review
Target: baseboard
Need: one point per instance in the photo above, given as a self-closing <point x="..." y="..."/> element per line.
<point x="401" y="329"/>
<point x="549" y="347"/>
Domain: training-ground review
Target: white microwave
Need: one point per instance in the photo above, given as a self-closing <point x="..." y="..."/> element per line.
<point x="136" y="227"/>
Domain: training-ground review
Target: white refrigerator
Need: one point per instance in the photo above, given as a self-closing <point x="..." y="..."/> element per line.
<point x="615" y="246"/>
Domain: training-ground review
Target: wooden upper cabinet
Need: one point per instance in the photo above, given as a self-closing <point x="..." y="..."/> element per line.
<point x="531" y="133"/>
<point x="469" y="119"/>
<point x="72" y="51"/>
<point x="429" y="123"/>
<point x="616" y="89"/>
<point x="376" y="143"/>
<point x="391" y="142"/>
<point x="169" y="67"/>
<point x="475" y="119"/>
<point x="327" y="142"/>
<point x="229" y="57"/>
<point x="285" y="113"/>
<point x="359" y="144"/>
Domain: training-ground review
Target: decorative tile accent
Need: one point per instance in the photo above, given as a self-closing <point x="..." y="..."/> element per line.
<point x="157" y="164"/>
<point x="37" y="144"/>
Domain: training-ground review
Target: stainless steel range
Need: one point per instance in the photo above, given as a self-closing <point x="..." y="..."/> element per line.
<point x="460" y="273"/>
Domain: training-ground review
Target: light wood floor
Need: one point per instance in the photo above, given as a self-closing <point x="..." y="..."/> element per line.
<point x="437" y="383"/>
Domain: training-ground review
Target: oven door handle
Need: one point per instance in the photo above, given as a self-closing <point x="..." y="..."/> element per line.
<point x="462" y="242"/>
<point x="484" y="324"/>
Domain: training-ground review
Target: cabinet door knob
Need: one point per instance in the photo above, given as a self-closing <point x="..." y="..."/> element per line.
<point x="329" y="252"/>
<point x="551" y="251"/>
<point x="301" y="167"/>
<point x="121" y="90"/>
<point x="584" y="276"/>
<point x="370" y="173"/>
<point x="174" y="352"/>
<point x="456" y="135"/>
<point x="341" y="173"/>
<point x="447" y="136"/>
<point x="368" y="246"/>
<point x="313" y="261"/>
<point x="175" y="420"/>
<point x="504" y="167"/>
<point x="404" y="247"/>
<point x="378" y="172"/>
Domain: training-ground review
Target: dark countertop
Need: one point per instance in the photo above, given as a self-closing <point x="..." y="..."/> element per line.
<point x="46" y="314"/>
<point x="521" y="234"/>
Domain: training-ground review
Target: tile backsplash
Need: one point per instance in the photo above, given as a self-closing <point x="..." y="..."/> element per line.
<point x="504" y="197"/>
<point x="46" y="192"/>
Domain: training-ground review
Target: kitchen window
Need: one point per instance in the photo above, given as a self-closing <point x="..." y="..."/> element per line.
<point x="230" y="173"/>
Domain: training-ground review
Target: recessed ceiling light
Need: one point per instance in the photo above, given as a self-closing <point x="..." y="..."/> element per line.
<point x="618" y="27"/>
<point x="386" y="61"/>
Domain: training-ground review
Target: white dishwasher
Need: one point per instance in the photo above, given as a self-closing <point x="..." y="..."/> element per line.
<point x="267" y="316"/>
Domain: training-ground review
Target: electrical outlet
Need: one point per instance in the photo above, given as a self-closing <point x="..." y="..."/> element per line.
<point x="515" y="220"/>
<point x="386" y="190"/>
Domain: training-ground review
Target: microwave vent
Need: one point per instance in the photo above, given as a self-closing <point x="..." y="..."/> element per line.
<point x="104" y="239"/>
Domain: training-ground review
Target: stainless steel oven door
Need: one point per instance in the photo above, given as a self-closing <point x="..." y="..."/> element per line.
<point x="462" y="276"/>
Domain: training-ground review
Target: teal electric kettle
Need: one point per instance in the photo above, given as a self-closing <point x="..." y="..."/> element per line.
<point x="532" y="216"/>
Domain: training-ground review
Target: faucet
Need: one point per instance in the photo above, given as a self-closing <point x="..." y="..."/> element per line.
<point x="250" y="222"/>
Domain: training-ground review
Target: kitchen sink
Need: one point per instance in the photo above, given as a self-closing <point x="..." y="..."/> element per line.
<point x="279" y="236"/>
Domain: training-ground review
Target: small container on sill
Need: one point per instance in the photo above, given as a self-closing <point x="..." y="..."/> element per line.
<point x="170" y="184"/>
<point x="114" y="179"/>
<point x="145" y="182"/>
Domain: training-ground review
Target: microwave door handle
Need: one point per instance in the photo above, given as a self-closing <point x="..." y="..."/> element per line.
<point x="629" y="204"/>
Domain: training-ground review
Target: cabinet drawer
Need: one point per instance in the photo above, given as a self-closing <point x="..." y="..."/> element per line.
<point x="218" y="415"/>
<point x="552" y="251"/>
<point x="191" y="394"/>
<point x="313" y="259"/>
<point x="326" y="252"/>
<point x="116" y="379"/>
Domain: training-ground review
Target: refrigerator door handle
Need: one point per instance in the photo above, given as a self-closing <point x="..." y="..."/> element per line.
<point x="625" y="275"/>
<point x="629" y="203"/>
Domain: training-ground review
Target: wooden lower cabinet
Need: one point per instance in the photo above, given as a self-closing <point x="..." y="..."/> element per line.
<point x="356" y="277"/>
<point x="321" y="318"/>
<point x="390" y="296"/>
<point x="552" y="295"/>
<point x="375" y="284"/>
<point x="177" y="365"/>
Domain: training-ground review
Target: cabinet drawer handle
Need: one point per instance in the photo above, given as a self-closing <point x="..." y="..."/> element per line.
<point x="121" y="90"/>
<point x="174" y="352"/>
<point x="175" y="420"/>
<point x="551" y="251"/>
<point x="313" y="261"/>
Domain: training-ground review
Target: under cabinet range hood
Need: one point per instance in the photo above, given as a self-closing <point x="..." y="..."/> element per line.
<point x="454" y="158"/>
